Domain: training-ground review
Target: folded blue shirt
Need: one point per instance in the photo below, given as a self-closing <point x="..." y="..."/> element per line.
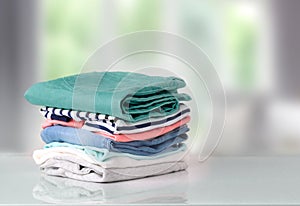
<point x="86" y="138"/>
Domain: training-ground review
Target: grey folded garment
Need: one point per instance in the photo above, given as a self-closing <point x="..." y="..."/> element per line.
<point x="80" y="169"/>
<point x="51" y="189"/>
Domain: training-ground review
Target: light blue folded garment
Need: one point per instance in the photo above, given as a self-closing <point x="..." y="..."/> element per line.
<point x="86" y="138"/>
<point x="101" y="154"/>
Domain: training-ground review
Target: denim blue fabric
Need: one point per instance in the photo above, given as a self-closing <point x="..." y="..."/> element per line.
<point x="85" y="138"/>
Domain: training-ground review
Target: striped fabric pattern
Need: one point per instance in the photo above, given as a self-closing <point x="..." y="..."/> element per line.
<point x="76" y="115"/>
<point x="100" y="122"/>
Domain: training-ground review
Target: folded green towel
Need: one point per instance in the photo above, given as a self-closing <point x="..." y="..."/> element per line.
<point x="126" y="95"/>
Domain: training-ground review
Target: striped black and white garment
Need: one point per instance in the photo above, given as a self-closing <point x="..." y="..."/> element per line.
<point x="101" y="122"/>
<point x="76" y="115"/>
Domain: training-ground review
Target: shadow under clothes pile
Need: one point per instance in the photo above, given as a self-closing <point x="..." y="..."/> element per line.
<point x="111" y="126"/>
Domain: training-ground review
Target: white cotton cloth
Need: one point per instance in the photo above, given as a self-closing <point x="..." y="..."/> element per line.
<point x="79" y="169"/>
<point x="40" y="156"/>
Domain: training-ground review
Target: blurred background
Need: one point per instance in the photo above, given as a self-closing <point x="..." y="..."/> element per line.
<point x="254" y="46"/>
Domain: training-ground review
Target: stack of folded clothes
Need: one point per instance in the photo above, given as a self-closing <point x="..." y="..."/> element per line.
<point x="111" y="126"/>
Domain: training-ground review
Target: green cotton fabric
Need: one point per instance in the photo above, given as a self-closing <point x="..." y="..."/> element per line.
<point x="125" y="95"/>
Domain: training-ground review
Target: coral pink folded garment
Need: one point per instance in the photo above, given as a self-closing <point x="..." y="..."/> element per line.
<point x="122" y="137"/>
<point x="147" y="134"/>
<point x="72" y="123"/>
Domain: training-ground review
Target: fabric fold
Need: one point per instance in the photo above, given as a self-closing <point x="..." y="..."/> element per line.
<point x="82" y="170"/>
<point x="102" y="155"/>
<point x="104" y="158"/>
<point x="146" y="135"/>
<point x="126" y="95"/>
<point x="85" y="138"/>
<point x="100" y="122"/>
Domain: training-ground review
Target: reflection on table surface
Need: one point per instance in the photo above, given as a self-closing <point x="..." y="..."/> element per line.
<point x="51" y="189"/>
<point x="219" y="181"/>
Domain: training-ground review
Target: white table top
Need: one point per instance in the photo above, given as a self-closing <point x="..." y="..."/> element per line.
<point x="220" y="180"/>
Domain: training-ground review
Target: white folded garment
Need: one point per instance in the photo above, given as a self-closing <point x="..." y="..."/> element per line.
<point x="79" y="169"/>
<point x="42" y="155"/>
